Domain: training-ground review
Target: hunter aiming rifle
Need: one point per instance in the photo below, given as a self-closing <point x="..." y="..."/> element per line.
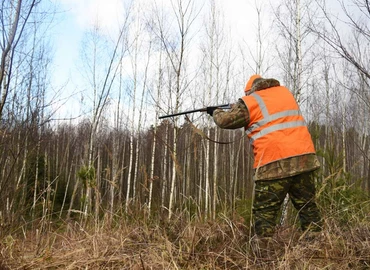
<point x="205" y="109"/>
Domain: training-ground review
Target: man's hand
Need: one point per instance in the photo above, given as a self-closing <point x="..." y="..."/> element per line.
<point x="210" y="110"/>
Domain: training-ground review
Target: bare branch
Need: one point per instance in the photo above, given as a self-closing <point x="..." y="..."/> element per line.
<point x="334" y="40"/>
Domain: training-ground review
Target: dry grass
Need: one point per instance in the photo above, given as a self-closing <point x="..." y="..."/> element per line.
<point x="183" y="245"/>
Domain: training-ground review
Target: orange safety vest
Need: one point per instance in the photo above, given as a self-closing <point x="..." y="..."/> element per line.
<point x="277" y="129"/>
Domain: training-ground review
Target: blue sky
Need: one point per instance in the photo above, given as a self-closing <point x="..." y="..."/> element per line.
<point x="78" y="16"/>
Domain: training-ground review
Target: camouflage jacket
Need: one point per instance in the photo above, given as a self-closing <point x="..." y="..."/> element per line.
<point x="238" y="117"/>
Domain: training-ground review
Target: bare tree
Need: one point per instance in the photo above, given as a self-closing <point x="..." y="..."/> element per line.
<point x="140" y="77"/>
<point x="175" y="48"/>
<point x="24" y="80"/>
<point x="356" y="16"/>
<point x="101" y="76"/>
<point x="159" y="88"/>
<point x="295" y="46"/>
<point x="258" y="61"/>
<point x="345" y="31"/>
<point x="216" y="65"/>
<point x="14" y="18"/>
<point x="296" y="51"/>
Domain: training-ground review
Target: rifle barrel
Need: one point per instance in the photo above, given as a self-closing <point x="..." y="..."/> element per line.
<point x="181" y="113"/>
<point x="193" y="111"/>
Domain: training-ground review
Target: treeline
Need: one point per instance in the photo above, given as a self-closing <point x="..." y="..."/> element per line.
<point x="46" y="174"/>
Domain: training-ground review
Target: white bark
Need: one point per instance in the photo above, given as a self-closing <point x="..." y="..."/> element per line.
<point x="151" y="174"/>
<point x="174" y="174"/>
<point x="165" y="170"/>
<point x="207" y="184"/>
<point x="132" y="162"/>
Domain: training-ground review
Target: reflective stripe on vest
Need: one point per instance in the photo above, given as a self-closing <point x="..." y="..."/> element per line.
<point x="271" y="117"/>
<point x="277" y="129"/>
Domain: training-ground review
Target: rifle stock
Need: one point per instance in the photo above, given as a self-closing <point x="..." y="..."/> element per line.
<point x="224" y="106"/>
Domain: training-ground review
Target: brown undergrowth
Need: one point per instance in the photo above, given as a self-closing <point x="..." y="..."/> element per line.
<point x="179" y="244"/>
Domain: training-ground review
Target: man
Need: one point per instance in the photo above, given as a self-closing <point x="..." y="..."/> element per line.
<point x="284" y="154"/>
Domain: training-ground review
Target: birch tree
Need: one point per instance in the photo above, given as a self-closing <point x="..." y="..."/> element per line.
<point x="100" y="82"/>
<point x="295" y="51"/>
<point x="216" y="68"/>
<point x="159" y="88"/>
<point x="295" y="46"/>
<point x="14" y="18"/>
<point x="175" y="36"/>
<point x="131" y="164"/>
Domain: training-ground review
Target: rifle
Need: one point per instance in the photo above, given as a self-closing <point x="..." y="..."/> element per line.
<point x="224" y="106"/>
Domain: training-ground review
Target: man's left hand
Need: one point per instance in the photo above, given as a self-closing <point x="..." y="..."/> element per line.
<point x="210" y="110"/>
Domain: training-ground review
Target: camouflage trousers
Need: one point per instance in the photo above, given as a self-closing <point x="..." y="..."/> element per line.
<point x="269" y="197"/>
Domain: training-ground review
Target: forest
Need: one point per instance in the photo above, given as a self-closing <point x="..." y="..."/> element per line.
<point x="92" y="178"/>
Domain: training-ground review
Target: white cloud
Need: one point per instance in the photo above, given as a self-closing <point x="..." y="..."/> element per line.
<point x="89" y="12"/>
